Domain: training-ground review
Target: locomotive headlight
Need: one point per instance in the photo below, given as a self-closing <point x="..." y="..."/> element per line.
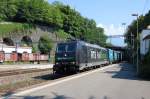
<point x="56" y="63"/>
<point x="72" y="62"/>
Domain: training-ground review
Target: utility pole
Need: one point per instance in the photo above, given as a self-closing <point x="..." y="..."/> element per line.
<point x="132" y="42"/>
<point x="137" y="37"/>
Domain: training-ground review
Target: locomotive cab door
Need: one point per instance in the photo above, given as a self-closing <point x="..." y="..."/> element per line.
<point x="82" y="56"/>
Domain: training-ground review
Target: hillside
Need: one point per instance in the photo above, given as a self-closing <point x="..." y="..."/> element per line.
<point x="23" y="34"/>
<point x="56" y="16"/>
<point x="16" y="31"/>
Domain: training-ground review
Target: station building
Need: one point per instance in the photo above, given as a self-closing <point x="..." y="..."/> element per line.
<point x="145" y="41"/>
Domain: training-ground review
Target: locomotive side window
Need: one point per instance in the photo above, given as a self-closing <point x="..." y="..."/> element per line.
<point x="103" y="54"/>
<point x="93" y="54"/>
<point x="84" y="54"/>
<point x="98" y="54"/>
<point x="70" y="47"/>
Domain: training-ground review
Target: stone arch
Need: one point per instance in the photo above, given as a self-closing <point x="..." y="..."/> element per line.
<point x="26" y="41"/>
<point x="8" y="41"/>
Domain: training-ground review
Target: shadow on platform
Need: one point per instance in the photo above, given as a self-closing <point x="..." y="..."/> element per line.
<point x="54" y="96"/>
<point x="127" y="71"/>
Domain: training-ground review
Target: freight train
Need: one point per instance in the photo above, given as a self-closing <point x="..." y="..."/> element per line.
<point x="74" y="56"/>
<point x="23" y="57"/>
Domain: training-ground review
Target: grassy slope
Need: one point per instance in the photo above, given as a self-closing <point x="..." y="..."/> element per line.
<point x="7" y="27"/>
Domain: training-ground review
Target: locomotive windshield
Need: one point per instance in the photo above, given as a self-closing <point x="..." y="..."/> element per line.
<point x="68" y="47"/>
<point x="61" y="48"/>
<point x="71" y="47"/>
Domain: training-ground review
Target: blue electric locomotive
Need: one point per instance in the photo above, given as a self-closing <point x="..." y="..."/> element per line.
<point x="73" y="56"/>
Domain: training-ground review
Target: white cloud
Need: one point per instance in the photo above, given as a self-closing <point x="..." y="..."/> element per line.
<point x="112" y="29"/>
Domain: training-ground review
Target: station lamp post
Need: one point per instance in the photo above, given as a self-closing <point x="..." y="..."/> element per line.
<point x="137" y="37"/>
<point x="124" y="27"/>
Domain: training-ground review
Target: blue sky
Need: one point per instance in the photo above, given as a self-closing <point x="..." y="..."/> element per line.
<point x="110" y="14"/>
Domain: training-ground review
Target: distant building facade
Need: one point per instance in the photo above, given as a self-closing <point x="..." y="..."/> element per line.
<point x="11" y="49"/>
<point x="145" y="41"/>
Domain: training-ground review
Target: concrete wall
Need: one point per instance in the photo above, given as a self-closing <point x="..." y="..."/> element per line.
<point x="34" y="34"/>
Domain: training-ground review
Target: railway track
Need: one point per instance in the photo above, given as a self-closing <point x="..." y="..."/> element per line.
<point x="20" y="71"/>
<point x="27" y="79"/>
<point x="25" y="71"/>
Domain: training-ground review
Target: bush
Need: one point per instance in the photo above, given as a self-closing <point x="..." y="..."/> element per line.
<point x="34" y="48"/>
<point x="62" y="34"/>
<point x="45" y="44"/>
<point x="145" y="66"/>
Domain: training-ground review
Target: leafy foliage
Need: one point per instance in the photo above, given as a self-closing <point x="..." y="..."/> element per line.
<point x="55" y="15"/>
<point x="13" y="27"/>
<point x="143" y="22"/>
<point x="62" y="34"/>
<point x="45" y="44"/>
<point x="8" y="9"/>
<point x="145" y="68"/>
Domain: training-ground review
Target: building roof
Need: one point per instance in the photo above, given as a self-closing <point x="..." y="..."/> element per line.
<point x="145" y="34"/>
<point x="10" y="49"/>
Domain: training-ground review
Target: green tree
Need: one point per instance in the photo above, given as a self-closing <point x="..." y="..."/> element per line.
<point x="56" y="15"/>
<point x="8" y="9"/>
<point x="45" y="44"/>
<point x="143" y="22"/>
<point x="145" y="68"/>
